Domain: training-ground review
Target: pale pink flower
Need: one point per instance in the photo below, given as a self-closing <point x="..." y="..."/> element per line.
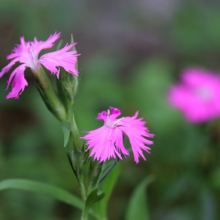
<point x="27" y="54"/>
<point x="197" y="96"/>
<point x="107" y="141"/>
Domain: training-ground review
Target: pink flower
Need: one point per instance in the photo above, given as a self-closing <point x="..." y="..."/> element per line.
<point x="27" y="54"/>
<point x="107" y="141"/>
<point x="198" y="96"/>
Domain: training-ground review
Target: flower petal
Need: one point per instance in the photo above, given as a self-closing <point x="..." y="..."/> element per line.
<point x="8" y="67"/>
<point x="37" y="46"/>
<point x="20" y="50"/>
<point x="61" y="58"/>
<point x="102" y="140"/>
<point x="135" y="130"/>
<point x="18" y="83"/>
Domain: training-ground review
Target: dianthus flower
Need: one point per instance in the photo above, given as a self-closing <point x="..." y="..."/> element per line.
<point x="107" y="141"/>
<point x="27" y="54"/>
<point x="198" y="95"/>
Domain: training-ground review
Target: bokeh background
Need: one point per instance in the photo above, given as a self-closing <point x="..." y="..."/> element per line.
<point x="131" y="53"/>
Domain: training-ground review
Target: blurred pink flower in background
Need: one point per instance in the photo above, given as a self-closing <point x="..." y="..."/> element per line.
<point x="197" y="96"/>
<point x="107" y="141"/>
<point x="27" y="54"/>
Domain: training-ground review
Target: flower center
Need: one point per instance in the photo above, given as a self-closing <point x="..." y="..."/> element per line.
<point x="111" y="123"/>
<point x="34" y="60"/>
<point x="115" y="123"/>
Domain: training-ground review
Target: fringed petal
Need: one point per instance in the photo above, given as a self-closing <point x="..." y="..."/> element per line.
<point x="134" y="129"/>
<point x="61" y="58"/>
<point x="18" y="83"/>
<point x="37" y="46"/>
<point x="102" y="141"/>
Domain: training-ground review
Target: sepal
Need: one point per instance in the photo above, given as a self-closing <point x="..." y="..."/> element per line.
<point x="109" y="166"/>
<point x="65" y="126"/>
<point x="67" y="85"/>
<point x="73" y="157"/>
<point x="95" y="171"/>
<point x="48" y="104"/>
<point x="84" y="160"/>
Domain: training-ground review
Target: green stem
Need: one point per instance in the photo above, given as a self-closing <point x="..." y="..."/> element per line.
<point x="83" y="190"/>
<point x="84" y="215"/>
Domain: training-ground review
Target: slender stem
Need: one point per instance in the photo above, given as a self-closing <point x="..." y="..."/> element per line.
<point x="83" y="189"/>
<point x="84" y="215"/>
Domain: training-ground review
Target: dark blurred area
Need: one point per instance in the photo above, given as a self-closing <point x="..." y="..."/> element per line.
<point x="131" y="53"/>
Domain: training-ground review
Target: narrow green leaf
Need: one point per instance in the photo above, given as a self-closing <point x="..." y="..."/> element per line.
<point x="71" y="164"/>
<point x="59" y="45"/>
<point x="137" y="206"/>
<point x="101" y="206"/>
<point x="72" y="42"/>
<point x="55" y="192"/>
<point x="95" y="196"/>
<point x="107" y="170"/>
<point x="74" y="48"/>
<point x="65" y="126"/>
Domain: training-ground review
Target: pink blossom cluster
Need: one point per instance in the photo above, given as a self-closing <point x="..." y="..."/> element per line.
<point x="27" y="54"/>
<point x="107" y="141"/>
<point x="197" y="96"/>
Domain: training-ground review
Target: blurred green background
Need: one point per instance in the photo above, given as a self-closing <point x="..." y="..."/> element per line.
<point x="131" y="53"/>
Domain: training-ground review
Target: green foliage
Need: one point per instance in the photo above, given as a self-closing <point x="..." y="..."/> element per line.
<point x="95" y="196"/>
<point x="137" y="206"/>
<point x="108" y="168"/>
<point x="49" y="190"/>
<point x="94" y="176"/>
<point x="107" y="187"/>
